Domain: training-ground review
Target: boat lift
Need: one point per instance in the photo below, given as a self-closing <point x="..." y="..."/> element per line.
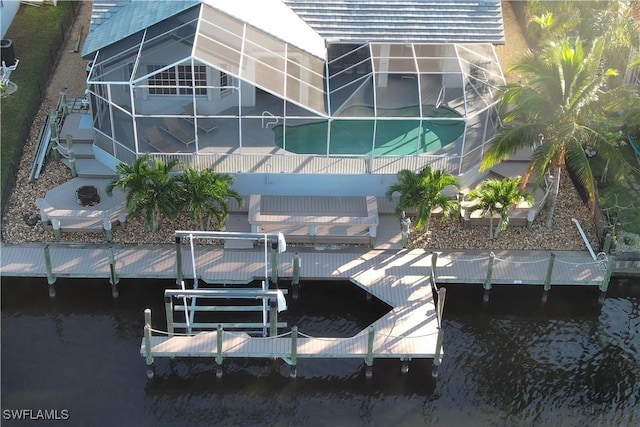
<point x="271" y="301"/>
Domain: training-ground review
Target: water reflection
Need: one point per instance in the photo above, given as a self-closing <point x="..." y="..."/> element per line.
<point x="509" y="362"/>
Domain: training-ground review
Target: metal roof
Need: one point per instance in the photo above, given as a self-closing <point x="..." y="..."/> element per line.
<point x="114" y="20"/>
<point x="355" y="21"/>
<point x="418" y="21"/>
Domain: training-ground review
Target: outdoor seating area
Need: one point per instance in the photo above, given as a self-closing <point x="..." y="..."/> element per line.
<point x="207" y="125"/>
<point x="318" y="219"/>
<point x="174" y="127"/>
<point x="156" y="140"/>
<point x="82" y="205"/>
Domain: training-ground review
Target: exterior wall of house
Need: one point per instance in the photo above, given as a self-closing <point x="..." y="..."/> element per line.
<point x="8" y="9"/>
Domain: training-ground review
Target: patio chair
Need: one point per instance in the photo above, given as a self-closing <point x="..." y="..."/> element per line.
<point x="206" y="125"/>
<point x="176" y="129"/>
<point x="154" y="139"/>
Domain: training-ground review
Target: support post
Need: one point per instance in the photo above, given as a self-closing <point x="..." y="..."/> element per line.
<point x="273" y="318"/>
<point x="405" y="223"/>
<point x="274" y="265"/>
<point x="45" y="220"/>
<point x="147" y="343"/>
<point x="531" y="216"/>
<point x="63" y="101"/>
<point x="179" y="276"/>
<point x="57" y="233"/>
<point x="437" y="359"/>
<point x="404" y="364"/>
<point x="168" y="309"/>
<point x="547" y="280"/>
<point x="607" y="277"/>
<point x="51" y="279"/>
<point x="442" y="294"/>
<point x="606" y="247"/>
<point x="113" y="278"/>
<point x="294" y="352"/>
<point x="219" y="336"/>
<point x="295" y="282"/>
<point x="373" y="233"/>
<point x="466" y="219"/>
<point x="122" y="220"/>
<point x="72" y="156"/>
<point x="487" y="280"/>
<point x="108" y="234"/>
<point x="369" y="359"/>
<point x="432" y="276"/>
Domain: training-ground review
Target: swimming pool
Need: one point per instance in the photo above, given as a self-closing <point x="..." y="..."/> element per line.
<point x="385" y="136"/>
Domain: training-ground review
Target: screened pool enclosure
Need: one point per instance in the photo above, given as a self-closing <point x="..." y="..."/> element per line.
<point x="248" y="96"/>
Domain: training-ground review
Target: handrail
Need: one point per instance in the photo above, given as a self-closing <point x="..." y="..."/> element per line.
<point x="584" y="237"/>
<point x="266" y="114"/>
<point x="440" y="97"/>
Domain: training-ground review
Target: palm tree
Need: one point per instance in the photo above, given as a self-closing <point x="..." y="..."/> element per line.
<point x="150" y="188"/>
<point x="553" y="110"/>
<point x="612" y="20"/>
<point x="498" y="196"/>
<point x="423" y="191"/>
<point x="205" y="195"/>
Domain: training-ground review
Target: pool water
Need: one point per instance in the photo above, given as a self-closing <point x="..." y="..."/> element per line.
<point x="386" y="136"/>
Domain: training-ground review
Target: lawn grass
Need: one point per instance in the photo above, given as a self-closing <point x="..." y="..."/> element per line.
<point x="37" y="34"/>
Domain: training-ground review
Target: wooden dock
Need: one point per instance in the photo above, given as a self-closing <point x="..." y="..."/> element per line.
<point x="217" y="265"/>
<point x="401" y="279"/>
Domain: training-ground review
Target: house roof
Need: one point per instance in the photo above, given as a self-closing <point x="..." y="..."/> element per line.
<point x="426" y="21"/>
<point x="356" y="21"/>
<point x="275" y="18"/>
<point x="114" y="20"/>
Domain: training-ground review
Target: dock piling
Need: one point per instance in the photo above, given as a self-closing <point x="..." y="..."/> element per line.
<point x="108" y="234"/>
<point x="294" y="352"/>
<point x="57" y="233"/>
<point x="51" y="279"/>
<point x="295" y="282"/>
<point x="219" y="336"/>
<point x="404" y="365"/>
<point x="122" y="220"/>
<point x="273" y="318"/>
<point x="369" y="359"/>
<point x="274" y="265"/>
<point x="487" y="281"/>
<point x="147" y="343"/>
<point x="607" y="277"/>
<point x="547" y="280"/>
<point x="113" y="278"/>
<point x="437" y="359"/>
<point x="179" y="276"/>
<point x="168" y="308"/>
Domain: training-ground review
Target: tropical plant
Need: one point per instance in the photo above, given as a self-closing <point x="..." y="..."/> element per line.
<point x="205" y="195"/>
<point x="497" y="196"/>
<point x="552" y="110"/>
<point x="423" y="191"/>
<point x="150" y="189"/>
<point x="614" y="21"/>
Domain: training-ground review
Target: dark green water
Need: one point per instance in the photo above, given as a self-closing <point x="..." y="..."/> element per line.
<point x="509" y="363"/>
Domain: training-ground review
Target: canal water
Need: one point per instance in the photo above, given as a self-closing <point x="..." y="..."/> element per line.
<point x="510" y="362"/>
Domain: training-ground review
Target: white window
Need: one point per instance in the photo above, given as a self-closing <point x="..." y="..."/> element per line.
<point x="178" y="80"/>
<point x="225" y="84"/>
